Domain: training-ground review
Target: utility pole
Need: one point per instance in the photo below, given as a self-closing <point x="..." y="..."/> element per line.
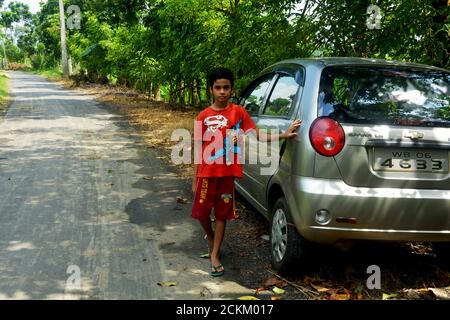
<point x="65" y="61"/>
<point x="5" y="57"/>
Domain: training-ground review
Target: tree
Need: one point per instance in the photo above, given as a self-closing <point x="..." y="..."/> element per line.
<point x="168" y="46"/>
<point x="64" y="57"/>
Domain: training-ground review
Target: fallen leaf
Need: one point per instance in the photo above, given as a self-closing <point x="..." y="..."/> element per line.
<point x="386" y="296"/>
<point x="411" y="294"/>
<point x="276" y="298"/>
<point x="441" y="293"/>
<point x="167" y="284"/>
<point x="205" y="256"/>
<point x="339" y="296"/>
<point x="319" y="288"/>
<point x="277" y="290"/>
<point x="182" y="200"/>
<point x="247" y="298"/>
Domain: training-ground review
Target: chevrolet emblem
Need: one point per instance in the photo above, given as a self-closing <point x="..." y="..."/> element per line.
<point x="414" y="135"/>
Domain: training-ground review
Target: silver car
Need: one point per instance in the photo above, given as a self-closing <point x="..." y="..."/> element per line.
<point x="371" y="160"/>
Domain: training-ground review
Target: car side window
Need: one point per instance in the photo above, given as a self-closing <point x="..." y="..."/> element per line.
<point x="254" y="99"/>
<point x="282" y="97"/>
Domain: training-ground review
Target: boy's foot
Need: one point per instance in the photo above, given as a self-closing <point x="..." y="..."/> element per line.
<point x="217" y="268"/>
<point x="217" y="271"/>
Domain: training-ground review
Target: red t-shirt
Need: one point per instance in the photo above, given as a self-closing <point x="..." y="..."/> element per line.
<point x="221" y="154"/>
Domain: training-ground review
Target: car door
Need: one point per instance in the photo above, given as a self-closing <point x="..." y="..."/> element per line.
<point x="278" y="113"/>
<point x="253" y="100"/>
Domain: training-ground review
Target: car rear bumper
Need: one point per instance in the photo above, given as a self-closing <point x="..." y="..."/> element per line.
<point x="389" y="214"/>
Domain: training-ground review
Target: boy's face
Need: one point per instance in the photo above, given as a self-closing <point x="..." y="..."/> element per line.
<point x="222" y="90"/>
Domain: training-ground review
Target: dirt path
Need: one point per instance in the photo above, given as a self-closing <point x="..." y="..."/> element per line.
<point x="87" y="210"/>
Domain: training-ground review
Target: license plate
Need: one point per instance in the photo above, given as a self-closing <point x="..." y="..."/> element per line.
<point x="410" y="160"/>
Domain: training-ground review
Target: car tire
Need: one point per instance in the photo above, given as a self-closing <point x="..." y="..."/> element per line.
<point x="286" y="245"/>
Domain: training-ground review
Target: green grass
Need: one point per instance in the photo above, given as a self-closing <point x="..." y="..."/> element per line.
<point x="4" y="91"/>
<point x="50" y="73"/>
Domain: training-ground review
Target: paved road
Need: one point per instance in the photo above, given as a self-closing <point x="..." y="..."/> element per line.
<point x="80" y="192"/>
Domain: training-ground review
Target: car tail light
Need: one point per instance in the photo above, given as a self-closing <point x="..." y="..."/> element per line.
<point x="327" y="136"/>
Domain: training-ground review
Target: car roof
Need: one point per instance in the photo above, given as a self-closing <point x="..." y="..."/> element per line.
<point x="339" y="61"/>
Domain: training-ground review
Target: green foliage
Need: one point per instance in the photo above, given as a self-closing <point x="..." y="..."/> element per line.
<point x="166" y="47"/>
<point x="4" y="90"/>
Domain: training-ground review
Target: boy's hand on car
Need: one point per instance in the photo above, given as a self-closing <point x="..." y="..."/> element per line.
<point x="291" y="132"/>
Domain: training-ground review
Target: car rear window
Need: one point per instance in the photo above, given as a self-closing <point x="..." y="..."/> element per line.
<point x="384" y="95"/>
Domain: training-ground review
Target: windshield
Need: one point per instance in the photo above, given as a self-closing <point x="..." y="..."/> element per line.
<point x="384" y="95"/>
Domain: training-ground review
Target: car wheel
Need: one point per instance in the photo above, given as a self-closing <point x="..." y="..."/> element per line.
<point x="287" y="246"/>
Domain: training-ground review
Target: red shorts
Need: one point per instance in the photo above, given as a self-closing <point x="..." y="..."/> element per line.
<point x="217" y="193"/>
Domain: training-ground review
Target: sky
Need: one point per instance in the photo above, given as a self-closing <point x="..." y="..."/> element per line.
<point x="33" y="4"/>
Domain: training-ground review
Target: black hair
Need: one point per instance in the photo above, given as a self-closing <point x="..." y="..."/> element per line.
<point x="220" y="73"/>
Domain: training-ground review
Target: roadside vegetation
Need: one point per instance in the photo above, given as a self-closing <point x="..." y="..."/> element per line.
<point x="4" y="91"/>
<point x="164" y="48"/>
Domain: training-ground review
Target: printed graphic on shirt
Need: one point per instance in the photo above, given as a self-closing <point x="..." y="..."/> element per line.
<point x="230" y="145"/>
<point x="215" y="122"/>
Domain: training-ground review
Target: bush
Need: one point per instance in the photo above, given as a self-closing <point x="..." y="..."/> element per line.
<point x="18" y="66"/>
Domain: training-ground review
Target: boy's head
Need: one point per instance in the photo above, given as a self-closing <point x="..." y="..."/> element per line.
<point x="220" y="73"/>
<point x="220" y="83"/>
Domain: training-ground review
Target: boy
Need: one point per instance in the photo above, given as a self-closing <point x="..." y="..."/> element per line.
<point x="214" y="173"/>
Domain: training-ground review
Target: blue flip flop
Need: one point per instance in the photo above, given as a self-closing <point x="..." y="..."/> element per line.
<point x="215" y="271"/>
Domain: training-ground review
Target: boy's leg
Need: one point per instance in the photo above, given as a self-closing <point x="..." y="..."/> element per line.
<point x="224" y="210"/>
<point x="219" y="233"/>
<point x="207" y="226"/>
<point x="203" y="203"/>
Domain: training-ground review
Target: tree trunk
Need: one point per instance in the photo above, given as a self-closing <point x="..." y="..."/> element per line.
<point x="64" y="57"/>
<point x="5" y="58"/>
<point x="158" y="92"/>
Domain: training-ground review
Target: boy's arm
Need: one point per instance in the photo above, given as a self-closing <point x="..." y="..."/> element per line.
<point x="290" y="133"/>
<point x="194" y="178"/>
